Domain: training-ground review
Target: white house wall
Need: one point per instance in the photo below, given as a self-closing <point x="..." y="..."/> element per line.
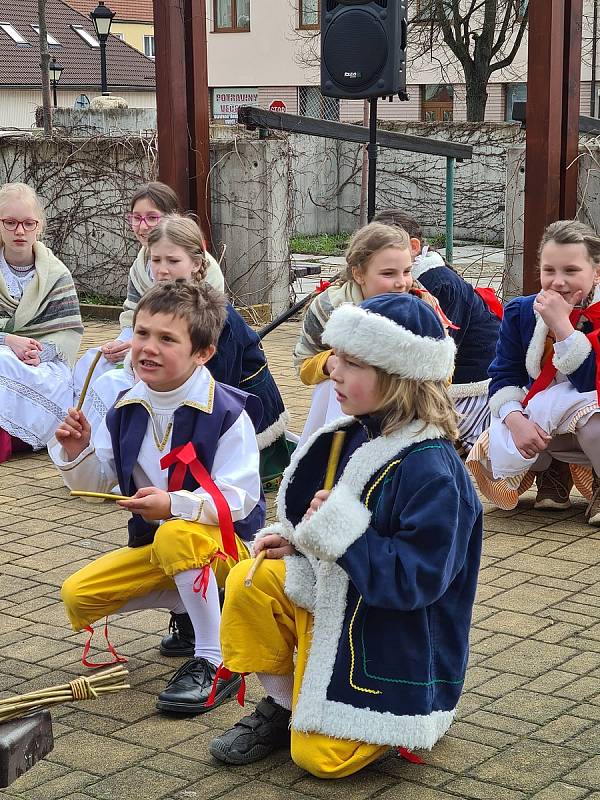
<point x="17" y="107"/>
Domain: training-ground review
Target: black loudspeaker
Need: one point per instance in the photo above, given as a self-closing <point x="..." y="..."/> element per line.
<point x="363" y="48"/>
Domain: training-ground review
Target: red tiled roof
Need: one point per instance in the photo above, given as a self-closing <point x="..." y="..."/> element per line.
<point x="131" y="10"/>
<point x="127" y="68"/>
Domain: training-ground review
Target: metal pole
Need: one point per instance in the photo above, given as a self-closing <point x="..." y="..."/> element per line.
<point x="593" y="81"/>
<point x="450" y="165"/>
<point x="103" y="77"/>
<point x="372" y="150"/>
<point x="54" y="94"/>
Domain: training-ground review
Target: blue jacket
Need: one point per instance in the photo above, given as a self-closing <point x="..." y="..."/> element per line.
<point x="389" y="569"/>
<point x="240" y="361"/>
<point x="478" y="327"/>
<point x="520" y="350"/>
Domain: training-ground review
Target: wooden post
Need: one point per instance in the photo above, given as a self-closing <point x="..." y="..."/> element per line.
<point x="554" y="60"/>
<point x="182" y="102"/>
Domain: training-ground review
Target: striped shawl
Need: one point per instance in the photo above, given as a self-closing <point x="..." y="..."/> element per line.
<point x="48" y="310"/>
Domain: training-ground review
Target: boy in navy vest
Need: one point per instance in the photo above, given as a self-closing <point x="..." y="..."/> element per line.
<point x="183" y="450"/>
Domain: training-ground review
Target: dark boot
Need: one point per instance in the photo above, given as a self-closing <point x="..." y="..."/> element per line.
<point x="554" y="487"/>
<point x="255" y="736"/>
<point x="189" y="688"/>
<point x="592" y="512"/>
<point x="180" y="640"/>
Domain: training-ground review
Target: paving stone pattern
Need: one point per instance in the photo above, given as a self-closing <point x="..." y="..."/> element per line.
<point x="528" y="725"/>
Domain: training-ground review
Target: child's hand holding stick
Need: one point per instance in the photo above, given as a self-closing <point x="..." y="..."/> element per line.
<point x="332" y="465"/>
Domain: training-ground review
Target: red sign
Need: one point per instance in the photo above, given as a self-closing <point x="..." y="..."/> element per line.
<point x="278" y="105"/>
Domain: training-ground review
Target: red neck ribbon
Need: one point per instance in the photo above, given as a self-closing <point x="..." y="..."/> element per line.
<point x="548" y="372"/>
<point x="185" y="458"/>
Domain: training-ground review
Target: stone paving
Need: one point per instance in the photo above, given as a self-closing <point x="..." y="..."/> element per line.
<point x="528" y="725"/>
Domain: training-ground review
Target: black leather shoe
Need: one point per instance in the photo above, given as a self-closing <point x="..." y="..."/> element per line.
<point x="190" y="687"/>
<point x="254" y="736"/>
<point x="180" y="640"/>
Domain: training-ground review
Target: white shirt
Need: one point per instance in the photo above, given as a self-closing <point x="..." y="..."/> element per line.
<point x="235" y="468"/>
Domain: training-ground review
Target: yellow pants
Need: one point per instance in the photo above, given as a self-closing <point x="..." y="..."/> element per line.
<point x="105" y="585"/>
<point x="260" y="629"/>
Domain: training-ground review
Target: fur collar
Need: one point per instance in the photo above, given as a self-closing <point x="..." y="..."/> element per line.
<point x="368" y="459"/>
<point x="535" y="348"/>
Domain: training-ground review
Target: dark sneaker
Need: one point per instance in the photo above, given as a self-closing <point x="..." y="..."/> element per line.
<point x="592" y="512"/>
<point x="180" y="640"/>
<point x="554" y="487"/>
<point x="189" y="688"/>
<point x="255" y="736"/>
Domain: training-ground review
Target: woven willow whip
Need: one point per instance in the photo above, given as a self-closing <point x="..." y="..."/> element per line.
<point x="81" y="688"/>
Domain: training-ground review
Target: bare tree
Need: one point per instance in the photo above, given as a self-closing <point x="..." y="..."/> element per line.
<point x="482" y="36"/>
<point x="475" y="37"/>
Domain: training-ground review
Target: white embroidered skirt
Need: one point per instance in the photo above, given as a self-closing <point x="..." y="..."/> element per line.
<point x="33" y="400"/>
<point x="503" y="474"/>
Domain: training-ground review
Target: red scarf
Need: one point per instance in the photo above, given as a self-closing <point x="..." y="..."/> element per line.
<point x="548" y="371"/>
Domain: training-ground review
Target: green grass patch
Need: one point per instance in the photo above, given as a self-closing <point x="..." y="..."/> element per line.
<point x="323" y="244"/>
<point x="88" y="298"/>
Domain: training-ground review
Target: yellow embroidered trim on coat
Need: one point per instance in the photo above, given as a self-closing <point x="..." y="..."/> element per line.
<point x="258" y="371"/>
<point x="207" y="407"/>
<point x="161" y="444"/>
<point x="351" y="626"/>
<point x="352" y="684"/>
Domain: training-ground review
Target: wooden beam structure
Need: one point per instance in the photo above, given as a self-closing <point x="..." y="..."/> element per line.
<point x="253" y="118"/>
<point x="553" y="79"/>
<point x="182" y="103"/>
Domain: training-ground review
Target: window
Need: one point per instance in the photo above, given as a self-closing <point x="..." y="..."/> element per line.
<point x="87" y="37"/>
<point x="309" y="13"/>
<point x="50" y="39"/>
<point x="437" y="102"/>
<point x="232" y="15"/>
<point x="521" y="7"/>
<point x="14" y="34"/>
<point x="119" y="35"/>
<point x="312" y="104"/>
<point x="515" y="93"/>
<point x="149" y="46"/>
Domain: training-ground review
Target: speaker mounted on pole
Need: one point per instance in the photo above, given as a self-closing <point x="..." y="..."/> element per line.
<point x="363" y="48"/>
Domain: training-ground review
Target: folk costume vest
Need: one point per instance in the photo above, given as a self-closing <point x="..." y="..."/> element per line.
<point x="127" y="423"/>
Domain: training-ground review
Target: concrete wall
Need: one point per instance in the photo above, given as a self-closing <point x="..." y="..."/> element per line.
<point x="588" y="204"/>
<point x="85" y="185"/>
<point x="327" y="180"/>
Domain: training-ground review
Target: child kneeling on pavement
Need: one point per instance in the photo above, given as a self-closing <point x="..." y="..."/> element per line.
<point x="183" y="447"/>
<point x="372" y="584"/>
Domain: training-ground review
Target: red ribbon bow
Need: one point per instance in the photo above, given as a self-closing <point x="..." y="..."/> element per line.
<point x="322" y="286"/>
<point x="184" y="458"/>
<point x="225" y="674"/>
<point x="200" y="584"/>
<point x="548" y="371"/>
<point x="117" y="659"/>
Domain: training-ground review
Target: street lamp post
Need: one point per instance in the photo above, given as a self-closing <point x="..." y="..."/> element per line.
<point x="102" y="18"/>
<point x="55" y="70"/>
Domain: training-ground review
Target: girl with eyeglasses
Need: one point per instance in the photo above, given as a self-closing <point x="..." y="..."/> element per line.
<point x="149" y="205"/>
<point x="40" y="326"/>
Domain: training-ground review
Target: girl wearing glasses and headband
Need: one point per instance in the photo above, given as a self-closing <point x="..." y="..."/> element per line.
<point x="149" y="205"/>
<point x="40" y="326"/>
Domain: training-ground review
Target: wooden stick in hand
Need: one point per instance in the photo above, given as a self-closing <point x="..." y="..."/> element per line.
<point x="88" y="378"/>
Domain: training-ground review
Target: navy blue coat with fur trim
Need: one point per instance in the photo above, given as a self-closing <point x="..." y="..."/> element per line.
<point x="521" y="346"/>
<point x="240" y="361"/>
<point x="478" y="328"/>
<point x="394" y="555"/>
